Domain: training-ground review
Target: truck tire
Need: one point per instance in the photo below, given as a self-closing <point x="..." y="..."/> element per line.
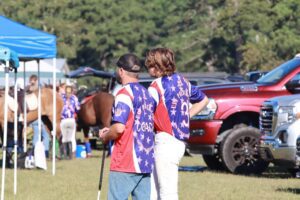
<point x="240" y="154"/>
<point x="214" y="162"/>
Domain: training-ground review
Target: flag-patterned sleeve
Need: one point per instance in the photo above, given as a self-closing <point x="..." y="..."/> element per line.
<point x="196" y="95"/>
<point x="122" y="108"/>
<point x="154" y="93"/>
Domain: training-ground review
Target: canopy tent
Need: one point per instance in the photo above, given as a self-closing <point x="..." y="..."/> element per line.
<point x="88" y="71"/>
<point x="27" y="42"/>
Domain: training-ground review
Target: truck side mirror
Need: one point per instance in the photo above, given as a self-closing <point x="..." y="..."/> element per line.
<point x="293" y="86"/>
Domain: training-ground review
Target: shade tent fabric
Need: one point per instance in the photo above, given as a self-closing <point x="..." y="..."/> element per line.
<point x="26" y="41"/>
<point x="88" y="71"/>
<point x="29" y="44"/>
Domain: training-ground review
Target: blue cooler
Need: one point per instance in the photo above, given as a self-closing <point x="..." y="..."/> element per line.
<point x="80" y="151"/>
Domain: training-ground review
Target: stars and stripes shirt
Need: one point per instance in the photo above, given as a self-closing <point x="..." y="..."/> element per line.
<point x="172" y="95"/>
<point x="70" y="108"/>
<point x="133" y="151"/>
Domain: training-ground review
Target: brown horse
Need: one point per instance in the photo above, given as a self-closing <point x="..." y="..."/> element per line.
<point x="95" y="111"/>
<point x="32" y="115"/>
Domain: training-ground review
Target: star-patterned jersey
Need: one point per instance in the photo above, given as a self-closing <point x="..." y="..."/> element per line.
<point x="133" y="151"/>
<point x="172" y="95"/>
<point x="70" y="108"/>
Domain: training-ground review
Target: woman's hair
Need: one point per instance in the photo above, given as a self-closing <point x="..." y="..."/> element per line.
<point x="162" y="59"/>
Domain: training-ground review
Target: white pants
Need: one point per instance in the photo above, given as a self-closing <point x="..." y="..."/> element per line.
<point x="68" y="130"/>
<point x="168" y="152"/>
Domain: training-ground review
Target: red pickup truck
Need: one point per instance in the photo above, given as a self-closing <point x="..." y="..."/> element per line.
<point x="226" y="133"/>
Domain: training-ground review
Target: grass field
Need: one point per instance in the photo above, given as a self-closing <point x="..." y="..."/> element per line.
<point x="77" y="179"/>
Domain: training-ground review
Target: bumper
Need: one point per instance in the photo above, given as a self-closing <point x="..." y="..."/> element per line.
<point x="195" y="149"/>
<point x="203" y="135"/>
<point x="204" y="132"/>
<point x="272" y="151"/>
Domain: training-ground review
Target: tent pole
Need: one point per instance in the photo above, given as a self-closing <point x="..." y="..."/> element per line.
<point x="15" y="131"/>
<point x="39" y="103"/>
<point x="6" y="69"/>
<point x="54" y="116"/>
<point x="39" y="148"/>
<point x="25" y="111"/>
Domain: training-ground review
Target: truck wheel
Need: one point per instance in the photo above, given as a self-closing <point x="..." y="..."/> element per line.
<point x="214" y="162"/>
<point x="240" y="154"/>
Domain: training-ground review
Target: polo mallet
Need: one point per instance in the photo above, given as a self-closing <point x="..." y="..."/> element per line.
<point x="101" y="172"/>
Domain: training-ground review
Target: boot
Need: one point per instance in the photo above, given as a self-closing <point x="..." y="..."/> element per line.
<point x="70" y="151"/>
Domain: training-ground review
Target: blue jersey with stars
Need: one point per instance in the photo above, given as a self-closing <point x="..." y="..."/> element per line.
<point x="172" y="95"/>
<point x="133" y="151"/>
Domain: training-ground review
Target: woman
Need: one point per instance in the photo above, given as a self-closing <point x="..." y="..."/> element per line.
<point x="172" y="94"/>
<point x="68" y="123"/>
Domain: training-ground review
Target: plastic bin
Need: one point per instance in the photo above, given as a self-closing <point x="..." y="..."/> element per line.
<point x="80" y="151"/>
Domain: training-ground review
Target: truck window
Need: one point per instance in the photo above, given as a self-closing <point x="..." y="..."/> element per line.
<point x="279" y="72"/>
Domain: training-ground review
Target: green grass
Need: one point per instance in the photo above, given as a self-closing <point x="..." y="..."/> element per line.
<point x="78" y="179"/>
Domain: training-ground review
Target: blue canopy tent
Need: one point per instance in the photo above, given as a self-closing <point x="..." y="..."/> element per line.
<point x="30" y="44"/>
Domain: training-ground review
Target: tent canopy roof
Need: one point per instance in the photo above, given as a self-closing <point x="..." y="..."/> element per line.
<point x="88" y="71"/>
<point x="27" y="42"/>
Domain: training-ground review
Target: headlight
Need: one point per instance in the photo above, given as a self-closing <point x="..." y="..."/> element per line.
<point x="208" y="112"/>
<point x="286" y="115"/>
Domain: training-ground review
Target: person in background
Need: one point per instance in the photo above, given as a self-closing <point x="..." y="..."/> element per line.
<point x="62" y="89"/>
<point x="68" y="122"/>
<point x="132" y="130"/>
<point x="172" y="94"/>
<point x="32" y="87"/>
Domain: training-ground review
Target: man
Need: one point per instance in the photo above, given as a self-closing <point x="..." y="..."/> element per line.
<point x="32" y="87"/>
<point x="132" y="130"/>
<point x="172" y="94"/>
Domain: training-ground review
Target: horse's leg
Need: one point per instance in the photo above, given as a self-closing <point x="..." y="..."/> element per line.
<point x="20" y="137"/>
<point x="86" y="133"/>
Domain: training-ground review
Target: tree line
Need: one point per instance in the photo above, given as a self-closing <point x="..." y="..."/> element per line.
<point x="234" y="36"/>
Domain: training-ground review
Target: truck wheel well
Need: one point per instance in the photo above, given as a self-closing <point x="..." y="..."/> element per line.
<point x="248" y="118"/>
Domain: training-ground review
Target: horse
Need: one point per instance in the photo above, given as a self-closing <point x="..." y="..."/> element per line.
<point x="32" y="113"/>
<point x="95" y="110"/>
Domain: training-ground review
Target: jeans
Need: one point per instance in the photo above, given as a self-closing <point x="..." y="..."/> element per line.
<point x="168" y="152"/>
<point x="44" y="137"/>
<point x="121" y="185"/>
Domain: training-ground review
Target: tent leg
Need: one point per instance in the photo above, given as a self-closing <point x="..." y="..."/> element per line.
<point x="54" y="116"/>
<point x="5" y="129"/>
<point x="15" y="133"/>
<point x="25" y="112"/>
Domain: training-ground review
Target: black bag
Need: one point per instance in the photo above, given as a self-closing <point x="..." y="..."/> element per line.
<point x="26" y="160"/>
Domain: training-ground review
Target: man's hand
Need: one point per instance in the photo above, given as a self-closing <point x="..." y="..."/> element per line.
<point x="102" y="134"/>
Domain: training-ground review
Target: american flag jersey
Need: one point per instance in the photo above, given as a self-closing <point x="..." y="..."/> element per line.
<point x="172" y="95"/>
<point x="133" y="151"/>
<point x="70" y="107"/>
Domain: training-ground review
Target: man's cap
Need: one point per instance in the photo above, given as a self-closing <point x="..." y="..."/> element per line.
<point x="129" y="62"/>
